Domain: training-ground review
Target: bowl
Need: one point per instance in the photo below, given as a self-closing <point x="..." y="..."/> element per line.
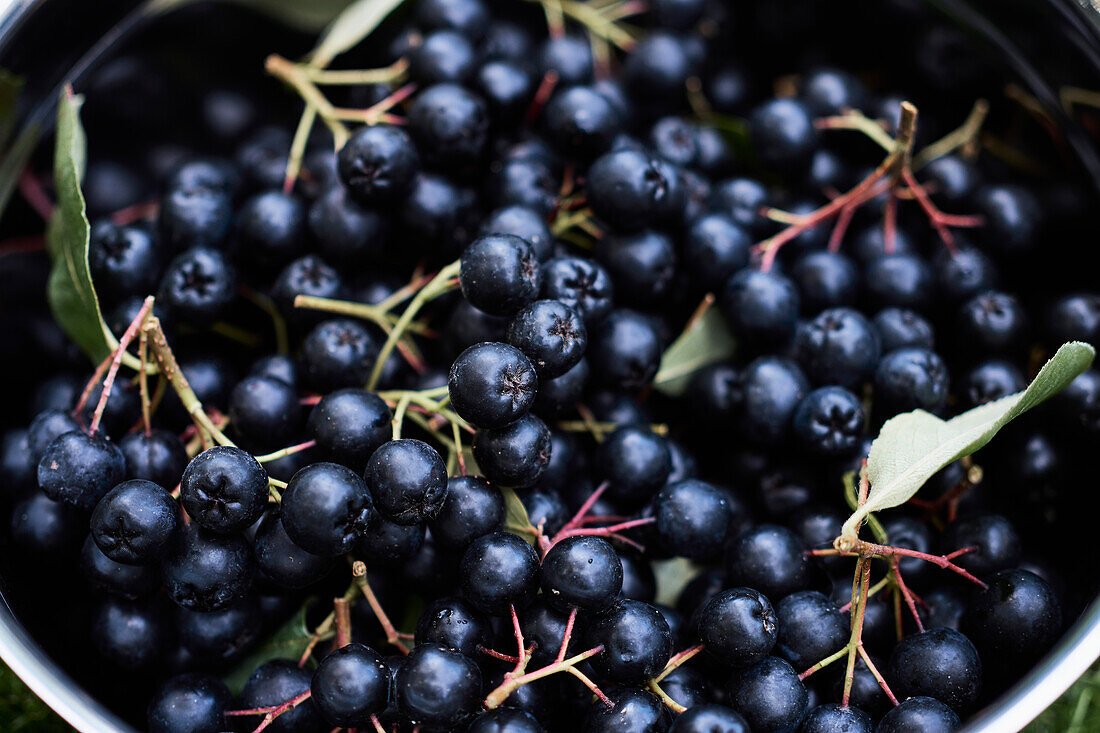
<point x="1043" y="44"/>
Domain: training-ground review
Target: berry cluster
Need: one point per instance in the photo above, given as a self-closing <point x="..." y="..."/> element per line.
<point x="542" y="401"/>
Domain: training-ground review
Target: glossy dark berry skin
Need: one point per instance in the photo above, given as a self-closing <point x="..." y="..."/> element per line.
<point x="45" y="427"/>
<point x="525" y="223"/>
<point x="825" y="280"/>
<point x="207" y="572"/>
<point x="500" y="274"/>
<point x="783" y="134"/>
<point x="714" y="248"/>
<point x="338" y="354"/>
<point x="1014" y="620"/>
<point x="1013" y="217"/>
<point x="839" y="346"/>
<point x="657" y="68"/>
<point x="198" y="285"/>
<point x="524" y="182"/>
<point x="995" y="541"/>
<point x="581" y="122"/>
<point x="492" y="384"/>
<point x="78" y="469"/>
<point x="1074" y="317"/>
<point x="829" y="91"/>
<point x="582" y="572"/>
<point x="991" y="380"/>
<point x="347" y="232"/>
<point x="157" y="456"/>
<point x="128" y="634"/>
<point x="438" y="688"/>
<point x="634" y="711"/>
<point x="453" y="623"/>
<point x="770" y="559"/>
<point x="442" y="56"/>
<point x="192" y="215"/>
<point x="189" y="703"/>
<point x="581" y="284"/>
<point x="636" y="639"/>
<point x="624" y="352"/>
<point x="123" y="260"/>
<point x="271" y="226"/>
<point x="641" y="264"/>
<point x="265" y="412"/>
<point x="136" y="522"/>
<point x="514" y="455"/>
<point x="408" y="481"/>
<point x="899" y="328"/>
<point x="387" y="544"/>
<point x="551" y="334"/>
<point x="499" y="570"/>
<point x="714" y="394"/>
<point x="507" y="88"/>
<point x="939" y="663"/>
<point x="772" y="387"/>
<point x="829" y="422"/>
<point x="349" y="425"/>
<point x="378" y="164"/>
<point x="115" y="578"/>
<point x="449" y="124"/>
<point x="992" y="323"/>
<point x="275" y="682"/>
<point x="635" y="461"/>
<point x="627" y="188"/>
<point x="737" y="627"/>
<point x="761" y="308"/>
<point x="900" y="280"/>
<point x="281" y="561"/>
<point x="911" y="378"/>
<point x="473" y="508"/>
<point x="45" y="527"/>
<point x="326" y="508"/>
<point x="769" y="696"/>
<point x="569" y="56"/>
<point x="964" y="274"/>
<point x="224" y="489"/>
<point x="920" y="715"/>
<point x="693" y="518"/>
<point x="709" y="718"/>
<point x="350" y="685"/>
<point x="505" y="720"/>
<point x="470" y="17"/>
<point x="221" y="636"/>
<point x="832" y="718"/>
<point x="811" y="628"/>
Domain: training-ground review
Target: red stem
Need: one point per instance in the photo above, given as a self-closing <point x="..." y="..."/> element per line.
<point x="109" y="381"/>
<point x="542" y="96"/>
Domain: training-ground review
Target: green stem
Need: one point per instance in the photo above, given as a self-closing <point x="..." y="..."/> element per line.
<point x="169" y="367"/>
<point x="440" y="284"/>
<point x="399" y="414"/>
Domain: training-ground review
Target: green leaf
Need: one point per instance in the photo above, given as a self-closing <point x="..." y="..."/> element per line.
<point x="288" y="642"/>
<point x="516" y="520"/>
<point x="705" y="340"/>
<point x="672" y="576"/>
<point x="351" y="26"/>
<point x="69" y="290"/>
<point x="913" y="446"/>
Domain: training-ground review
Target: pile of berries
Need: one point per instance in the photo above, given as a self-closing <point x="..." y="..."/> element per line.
<point x="533" y="406"/>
